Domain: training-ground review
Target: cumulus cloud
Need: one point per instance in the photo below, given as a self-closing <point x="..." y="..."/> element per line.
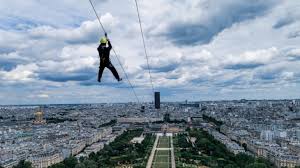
<point x="283" y="22"/>
<point x="198" y="49"/>
<point x="251" y="59"/>
<point x="9" y="61"/>
<point x="43" y="96"/>
<point x="293" y="54"/>
<point x="294" y="34"/>
<point x="22" y="73"/>
<point x="85" y="33"/>
<point x="75" y="63"/>
<point x="209" y="18"/>
<point x="288" y="16"/>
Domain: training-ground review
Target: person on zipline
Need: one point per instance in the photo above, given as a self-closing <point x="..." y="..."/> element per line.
<point x="104" y="51"/>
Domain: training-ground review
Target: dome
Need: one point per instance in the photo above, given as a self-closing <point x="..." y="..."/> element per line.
<point x="39" y="113"/>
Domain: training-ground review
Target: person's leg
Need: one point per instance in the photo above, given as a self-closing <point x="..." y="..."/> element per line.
<point x="114" y="71"/>
<point x="101" y="69"/>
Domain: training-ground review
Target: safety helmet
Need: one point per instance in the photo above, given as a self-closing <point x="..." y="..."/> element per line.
<point x="103" y="40"/>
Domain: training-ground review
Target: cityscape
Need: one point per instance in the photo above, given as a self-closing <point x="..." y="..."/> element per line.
<point x="170" y="134"/>
<point x="149" y="84"/>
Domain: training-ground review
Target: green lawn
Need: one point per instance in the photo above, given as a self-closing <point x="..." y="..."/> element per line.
<point x="213" y="153"/>
<point x="163" y="142"/>
<point x="162" y="159"/>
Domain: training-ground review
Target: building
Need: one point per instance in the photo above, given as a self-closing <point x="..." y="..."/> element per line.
<point x="142" y="109"/>
<point x="46" y="159"/>
<point x="9" y="163"/>
<point x="39" y="117"/>
<point x="267" y="135"/>
<point x="157" y="100"/>
<point x="137" y="120"/>
<point x="138" y="139"/>
<point x="286" y="161"/>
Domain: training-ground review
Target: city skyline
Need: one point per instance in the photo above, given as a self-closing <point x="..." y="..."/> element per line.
<point x="198" y="50"/>
<point x="237" y="133"/>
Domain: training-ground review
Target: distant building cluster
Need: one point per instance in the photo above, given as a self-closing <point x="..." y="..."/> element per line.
<point x="231" y="145"/>
<point x="45" y="137"/>
<point x="265" y="128"/>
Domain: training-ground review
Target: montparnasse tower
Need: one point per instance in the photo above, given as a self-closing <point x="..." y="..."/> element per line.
<point x="39" y="117"/>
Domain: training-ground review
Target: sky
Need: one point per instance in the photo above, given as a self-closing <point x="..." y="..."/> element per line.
<point x="198" y="50"/>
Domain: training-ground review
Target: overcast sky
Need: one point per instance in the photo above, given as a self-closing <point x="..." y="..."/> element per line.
<point x="199" y="50"/>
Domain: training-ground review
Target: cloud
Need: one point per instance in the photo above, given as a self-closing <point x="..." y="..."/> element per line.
<point x="288" y="15"/>
<point x="198" y="49"/>
<point x="10" y="60"/>
<point x="244" y="66"/>
<point x="22" y="73"/>
<point x="251" y="59"/>
<point x="58" y="77"/>
<point x="294" y="34"/>
<point x="74" y="63"/>
<point x="10" y="41"/>
<point x="57" y="12"/>
<point x="43" y="96"/>
<point x="283" y="22"/>
<point x="162" y="65"/>
<point x="293" y="54"/>
<point x="17" y="23"/>
<point x="214" y="18"/>
<point x="86" y="33"/>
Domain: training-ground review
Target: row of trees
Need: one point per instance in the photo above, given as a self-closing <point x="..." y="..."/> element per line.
<point x="22" y="164"/>
<point x="211" y="119"/>
<point x="58" y="120"/>
<point x="112" y="122"/>
<point x="210" y="152"/>
<point x="118" y="153"/>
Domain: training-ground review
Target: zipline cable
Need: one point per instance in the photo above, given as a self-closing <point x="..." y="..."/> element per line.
<point x="144" y="44"/>
<point x="115" y="54"/>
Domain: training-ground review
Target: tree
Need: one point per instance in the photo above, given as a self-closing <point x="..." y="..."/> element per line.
<point x="243" y="159"/>
<point x="80" y="165"/>
<point x="58" y="165"/>
<point x="231" y="166"/>
<point x="257" y="165"/>
<point x="70" y="162"/>
<point x="1" y="167"/>
<point x="244" y="146"/>
<point x="87" y="164"/>
<point x="81" y="159"/>
<point x="93" y="156"/>
<point x="265" y="161"/>
<point x="221" y="162"/>
<point x="167" y="117"/>
<point x="90" y="164"/>
<point x="23" y="164"/>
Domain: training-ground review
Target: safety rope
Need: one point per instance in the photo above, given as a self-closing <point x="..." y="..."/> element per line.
<point x="144" y="44"/>
<point x="116" y="54"/>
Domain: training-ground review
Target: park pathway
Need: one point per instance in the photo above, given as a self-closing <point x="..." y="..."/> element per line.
<point x="151" y="158"/>
<point x="172" y="154"/>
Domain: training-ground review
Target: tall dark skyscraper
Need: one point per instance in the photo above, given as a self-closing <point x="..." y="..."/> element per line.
<point x="157" y="100"/>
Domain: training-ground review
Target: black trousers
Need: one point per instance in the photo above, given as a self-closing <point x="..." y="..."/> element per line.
<point x="110" y="66"/>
